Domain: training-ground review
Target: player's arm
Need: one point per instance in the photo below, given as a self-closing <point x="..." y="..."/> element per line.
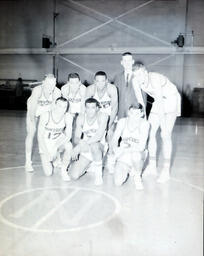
<point x="68" y="129"/>
<point x="139" y="94"/>
<point x="144" y="133"/>
<point x="114" y="103"/>
<point x="83" y="97"/>
<point x="64" y="91"/>
<point x="102" y="121"/>
<point x="41" y="132"/>
<point x="117" y="133"/>
<point x="57" y="94"/>
<point x="33" y="102"/>
<point x="77" y="137"/>
<point x="78" y="130"/>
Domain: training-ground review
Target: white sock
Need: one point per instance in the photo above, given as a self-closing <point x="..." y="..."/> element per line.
<point x="98" y="172"/>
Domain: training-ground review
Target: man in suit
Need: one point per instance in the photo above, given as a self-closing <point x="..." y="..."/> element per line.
<point x="127" y="96"/>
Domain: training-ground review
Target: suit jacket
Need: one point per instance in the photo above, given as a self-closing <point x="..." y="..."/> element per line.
<point x="126" y="94"/>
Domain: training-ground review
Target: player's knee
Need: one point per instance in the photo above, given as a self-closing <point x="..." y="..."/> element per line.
<point x="68" y="147"/>
<point x="96" y="150"/>
<point x="137" y="157"/>
<point x="165" y="135"/>
<point x="74" y="174"/>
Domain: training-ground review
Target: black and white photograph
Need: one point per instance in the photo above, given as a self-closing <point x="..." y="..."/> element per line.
<point x="101" y="127"/>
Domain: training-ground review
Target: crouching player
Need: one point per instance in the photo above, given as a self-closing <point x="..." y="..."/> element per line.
<point x="89" y="134"/>
<point x="131" y="153"/>
<point x="54" y="134"/>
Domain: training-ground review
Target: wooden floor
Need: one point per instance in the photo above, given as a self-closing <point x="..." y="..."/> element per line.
<point x="42" y="216"/>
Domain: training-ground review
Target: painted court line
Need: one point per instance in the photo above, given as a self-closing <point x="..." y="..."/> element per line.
<point x="57" y="207"/>
<point x="188" y="184"/>
<point x="35" y="228"/>
<point x="19" y="213"/>
<point x="17" y="167"/>
<point x="77" y="217"/>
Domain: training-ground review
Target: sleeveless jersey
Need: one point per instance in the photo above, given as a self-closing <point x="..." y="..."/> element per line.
<point x="105" y="102"/>
<point x="129" y="138"/>
<point x="89" y="130"/>
<point x="43" y="103"/>
<point x="170" y="94"/>
<point x="74" y="101"/>
<point x="54" y="129"/>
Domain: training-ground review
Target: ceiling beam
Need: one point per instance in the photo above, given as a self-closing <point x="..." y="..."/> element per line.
<point x="105" y="50"/>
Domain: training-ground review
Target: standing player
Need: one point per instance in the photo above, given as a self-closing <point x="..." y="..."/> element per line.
<point x="54" y="134"/>
<point x="39" y="102"/>
<point x="74" y="91"/>
<point x="91" y="125"/>
<point x="130" y="154"/>
<point x="106" y="94"/>
<point x="165" y="109"/>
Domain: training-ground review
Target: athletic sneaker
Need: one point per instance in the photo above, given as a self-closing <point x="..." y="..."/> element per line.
<point x="98" y="180"/>
<point x="65" y="176"/>
<point x="164" y="176"/>
<point x="150" y="170"/>
<point x="110" y="168"/>
<point x="29" y="168"/>
<point x="138" y="183"/>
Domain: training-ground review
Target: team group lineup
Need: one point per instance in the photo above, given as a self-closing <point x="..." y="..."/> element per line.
<point x="103" y="126"/>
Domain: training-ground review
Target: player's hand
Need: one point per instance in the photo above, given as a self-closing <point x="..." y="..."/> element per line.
<point x="75" y="153"/>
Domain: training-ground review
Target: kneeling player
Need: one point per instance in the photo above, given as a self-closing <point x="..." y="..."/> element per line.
<point x="54" y="134"/>
<point x="91" y="125"/>
<point x="130" y="154"/>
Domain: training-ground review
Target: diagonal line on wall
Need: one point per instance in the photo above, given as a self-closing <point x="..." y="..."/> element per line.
<point x="75" y="64"/>
<point x="143" y="33"/>
<point x="85" y="33"/>
<point x="160" y="60"/>
<point x="134" y="9"/>
<point x="111" y="20"/>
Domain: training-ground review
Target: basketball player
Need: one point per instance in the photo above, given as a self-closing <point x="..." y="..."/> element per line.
<point x="39" y="102"/>
<point x="91" y="125"/>
<point x="74" y="91"/>
<point x="54" y="134"/>
<point x="165" y="108"/>
<point x="106" y="94"/>
<point x="130" y="154"/>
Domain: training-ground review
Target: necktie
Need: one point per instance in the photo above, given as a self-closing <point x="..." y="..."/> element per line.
<point x="127" y="80"/>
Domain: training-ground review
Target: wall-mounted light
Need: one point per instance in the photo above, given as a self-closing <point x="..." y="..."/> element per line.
<point x="180" y="40"/>
<point x="46" y="42"/>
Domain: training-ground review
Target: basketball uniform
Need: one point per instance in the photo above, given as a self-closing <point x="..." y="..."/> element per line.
<point x="89" y="130"/>
<point x="74" y="101"/>
<point x="104" y="101"/>
<point x="54" y="133"/>
<point x="130" y="139"/>
<point x="170" y="95"/>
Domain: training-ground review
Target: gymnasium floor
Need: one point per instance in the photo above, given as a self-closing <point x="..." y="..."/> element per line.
<point x="42" y="216"/>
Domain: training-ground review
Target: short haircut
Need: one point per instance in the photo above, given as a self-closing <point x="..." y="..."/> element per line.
<point x="100" y="73"/>
<point x="92" y="100"/>
<point x="63" y="100"/>
<point x="73" y="75"/>
<point x="126" y="54"/>
<point x="137" y="106"/>
<point x="137" y="65"/>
